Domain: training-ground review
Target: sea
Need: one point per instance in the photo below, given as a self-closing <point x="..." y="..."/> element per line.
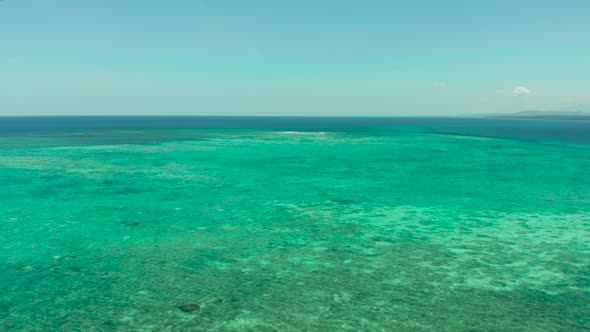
<point x="294" y="224"/>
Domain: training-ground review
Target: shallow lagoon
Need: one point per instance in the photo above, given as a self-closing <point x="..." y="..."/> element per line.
<point x="285" y="230"/>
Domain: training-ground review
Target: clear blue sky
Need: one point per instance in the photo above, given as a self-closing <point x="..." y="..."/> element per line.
<point x="292" y="57"/>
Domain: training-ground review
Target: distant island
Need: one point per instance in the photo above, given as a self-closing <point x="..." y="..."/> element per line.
<point x="576" y="113"/>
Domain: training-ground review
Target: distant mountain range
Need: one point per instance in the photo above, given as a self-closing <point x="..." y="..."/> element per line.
<point x="581" y="112"/>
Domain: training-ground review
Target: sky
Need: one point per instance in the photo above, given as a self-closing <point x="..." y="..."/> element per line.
<point x="263" y="57"/>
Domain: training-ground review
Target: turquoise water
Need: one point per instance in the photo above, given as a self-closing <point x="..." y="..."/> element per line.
<point x="274" y="230"/>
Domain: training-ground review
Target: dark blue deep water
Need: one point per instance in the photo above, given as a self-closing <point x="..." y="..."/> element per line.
<point x="570" y="131"/>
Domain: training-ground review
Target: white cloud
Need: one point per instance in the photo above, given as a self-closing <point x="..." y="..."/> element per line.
<point x="440" y="85"/>
<point x="521" y="91"/>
